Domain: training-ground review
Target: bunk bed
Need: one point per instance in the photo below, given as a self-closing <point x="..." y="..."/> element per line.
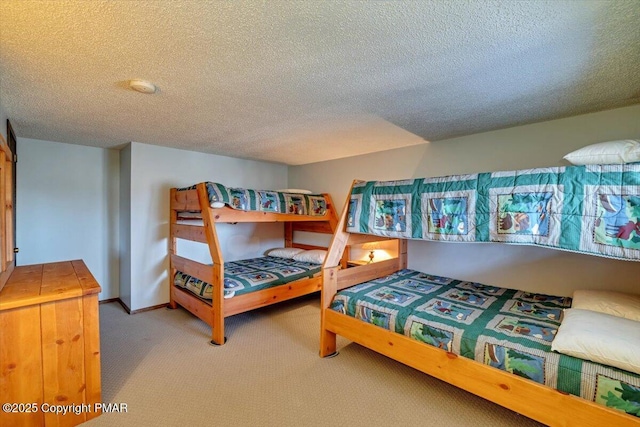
<point x="211" y="291"/>
<point x="493" y="342"/>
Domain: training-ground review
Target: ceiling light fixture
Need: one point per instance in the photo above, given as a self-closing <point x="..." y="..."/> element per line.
<point x="142" y="86"/>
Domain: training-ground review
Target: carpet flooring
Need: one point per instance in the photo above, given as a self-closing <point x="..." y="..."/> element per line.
<point x="160" y="364"/>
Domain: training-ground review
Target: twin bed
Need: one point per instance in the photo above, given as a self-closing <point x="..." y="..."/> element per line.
<point x="218" y="290"/>
<point x="493" y="342"/>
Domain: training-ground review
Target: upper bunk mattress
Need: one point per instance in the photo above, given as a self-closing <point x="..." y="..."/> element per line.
<point x="244" y="276"/>
<point x="264" y="200"/>
<point x="592" y="209"/>
<point x="504" y="328"/>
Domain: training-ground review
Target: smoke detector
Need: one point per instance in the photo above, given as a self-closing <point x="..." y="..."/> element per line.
<point x="142" y="86"/>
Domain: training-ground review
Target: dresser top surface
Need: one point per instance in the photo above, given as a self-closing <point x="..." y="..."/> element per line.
<point x="41" y="283"/>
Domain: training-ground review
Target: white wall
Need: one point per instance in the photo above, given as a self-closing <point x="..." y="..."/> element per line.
<point x="67" y="207"/>
<point x="154" y="170"/>
<point x="536" y="145"/>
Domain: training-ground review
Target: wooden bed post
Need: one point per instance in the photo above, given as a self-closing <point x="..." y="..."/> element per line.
<point x="173" y="218"/>
<point x="329" y="289"/>
<point x="217" y="273"/>
<point x="288" y="234"/>
<point x="402" y="254"/>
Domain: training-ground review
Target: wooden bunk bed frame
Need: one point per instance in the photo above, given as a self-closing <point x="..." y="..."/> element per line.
<point x="529" y="398"/>
<point x="197" y="200"/>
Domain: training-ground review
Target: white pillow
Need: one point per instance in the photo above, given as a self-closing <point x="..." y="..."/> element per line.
<point x="606" y="153"/>
<point x="294" y="190"/>
<point x="314" y="256"/>
<point x="599" y="337"/>
<point x="613" y="303"/>
<point x="284" y="252"/>
<point x="218" y="205"/>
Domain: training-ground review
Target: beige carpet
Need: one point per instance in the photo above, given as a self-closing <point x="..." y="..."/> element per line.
<point x="268" y="374"/>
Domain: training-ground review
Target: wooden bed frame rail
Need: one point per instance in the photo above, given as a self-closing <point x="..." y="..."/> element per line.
<point x="214" y="312"/>
<point x="529" y="398"/>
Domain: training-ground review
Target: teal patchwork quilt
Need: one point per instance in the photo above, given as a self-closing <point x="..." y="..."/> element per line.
<point x="505" y="328"/>
<point x="249" y="275"/>
<point x="592" y="209"/>
<point x="265" y="200"/>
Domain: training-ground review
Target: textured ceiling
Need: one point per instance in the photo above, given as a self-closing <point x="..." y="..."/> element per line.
<point x="304" y="81"/>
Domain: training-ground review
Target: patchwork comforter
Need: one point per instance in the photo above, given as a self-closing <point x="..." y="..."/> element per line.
<point x="265" y="200"/>
<point x="507" y="329"/>
<point x="250" y="275"/>
<point x="592" y="209"/>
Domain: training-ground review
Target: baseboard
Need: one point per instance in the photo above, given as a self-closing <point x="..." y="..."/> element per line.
<point x="155" y="307"/>
<point x="119" y="301"/>
<point x="128" y="310"/>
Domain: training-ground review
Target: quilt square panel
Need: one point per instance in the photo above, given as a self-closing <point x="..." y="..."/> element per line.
<point x="434" y="279"/>
<point x="258" y="278"/>
<point x="295" y="204"/>
<point x="238" y="269"/>
<point x="451" y="214"/>
<point x="239" y="199"/>
<point x="384" y="317"/>
<point x="618" y="394"/>
<point x="234" y="284"/>
<point x="317" y="205"/>
<point x="542" y="298"/>
<point x="526" y="214"/>
<point x="479" y="287"/>
<point x="288" y="271"/>
<point x="536" y="311"/>
<point x="433" y="333"/>
<point x="614" y="225"/>
<point x="417" y="286"/>
<point x="518" y="362"/>
<point x="450" y="310"/>
<point x="269" y="201"/>
<point x="518" y="327"/>
<point x="464" y="296"/>
<point x="391" y="214"/>
<point x="393" y="296"/>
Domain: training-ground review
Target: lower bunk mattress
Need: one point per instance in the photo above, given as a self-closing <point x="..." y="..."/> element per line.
<point x="505" y="328"/>
<point x="249" y="275"/>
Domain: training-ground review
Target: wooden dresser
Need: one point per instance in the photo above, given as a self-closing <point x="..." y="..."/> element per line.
<point x="49" y="345"/>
